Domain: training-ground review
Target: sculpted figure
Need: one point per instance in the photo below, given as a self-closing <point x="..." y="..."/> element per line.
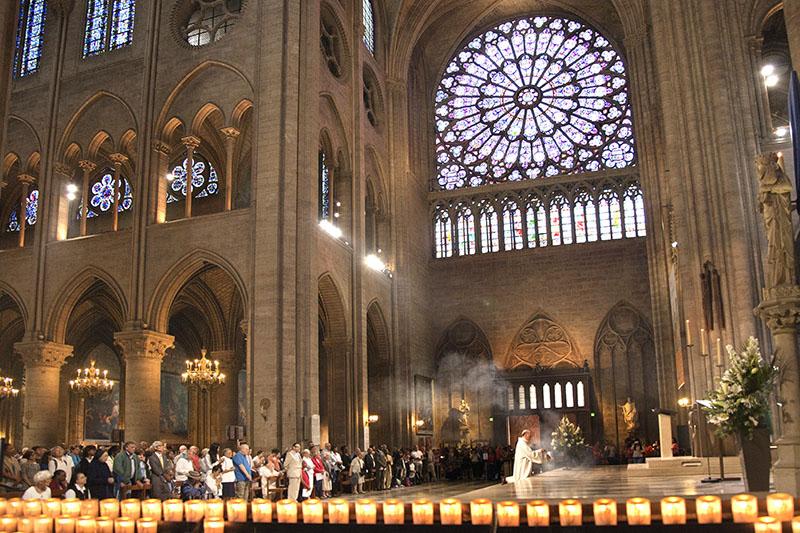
<point x="630" y="415"/>
<point x="774" y="198"/>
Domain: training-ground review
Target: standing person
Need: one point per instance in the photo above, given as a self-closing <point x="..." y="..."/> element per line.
<point x="60" y="461"/>
<point x="228" y="474"/>
<point x="214" y="482"/>
<point x="183" y="465"/>
<point x="100" y="481"/>
<point x="387" y="474"/>
<point x="319" y="471"/>
<point x="127" y="468"/>
<point x="89" y="453"/>
<point x="294" y="471"/>
<point x="244" y="472"/>
<point x="194" y="456"/>
<point x="357" y="473"/>
<point x="307" y="488"/>
<point x="75" y="455"/>
<point x="157" y="463"/>
<point x="380" y="468"/>
<point x="29" y="466"/>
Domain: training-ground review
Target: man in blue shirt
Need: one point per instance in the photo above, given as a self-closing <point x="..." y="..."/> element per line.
<point x="243" y="468"/>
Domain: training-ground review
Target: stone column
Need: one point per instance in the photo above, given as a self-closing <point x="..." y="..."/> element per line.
<point x="226" y="400"/>
<point x="230" y="135"/>
<point x="27" y="180"/>
<point x="119" y="192"/>
<point x="143" y="351"/>
<point x="791" y="14"/>
<point x="43" y="361"/>
<point x="191" y="143"/>
<point x="2" y="186"/>
<point x="159" y="202"/>
<point x="87" y="167"/>
<point x="59" y="227"/>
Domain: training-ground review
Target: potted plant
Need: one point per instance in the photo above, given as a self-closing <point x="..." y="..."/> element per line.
<point x="568" y="442"/>
<point x="740" y="406"/>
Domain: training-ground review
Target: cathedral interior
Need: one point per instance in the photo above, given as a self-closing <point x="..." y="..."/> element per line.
<point x="379" y="214"/>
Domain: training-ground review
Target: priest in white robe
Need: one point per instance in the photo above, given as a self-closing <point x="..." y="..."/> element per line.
<point x="525" y="457"/>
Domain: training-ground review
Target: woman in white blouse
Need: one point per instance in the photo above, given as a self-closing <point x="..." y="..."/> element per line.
<point x="40" y="489"/>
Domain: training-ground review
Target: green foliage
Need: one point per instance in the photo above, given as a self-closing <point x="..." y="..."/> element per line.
<point x="568" y="440"/>
<point x="740" y="403"/>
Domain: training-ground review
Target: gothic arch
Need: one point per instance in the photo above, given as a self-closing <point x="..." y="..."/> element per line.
<point x="332" y="308"/>
<point x="542" y="342"/>
<point x="93" y="113"/>
<point x="10" y="292"/>
<point x="379" y="374"/>
<point x="335" y="363"/>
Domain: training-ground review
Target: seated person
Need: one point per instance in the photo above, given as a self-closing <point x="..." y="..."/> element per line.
<point x="193" y="488"/>
<point x="58" y="485"/>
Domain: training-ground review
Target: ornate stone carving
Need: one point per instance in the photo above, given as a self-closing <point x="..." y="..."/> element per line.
<point x="190" y="141"/>
<point x="117" y="158"/>
<point x="780" y="309"/>
<point x="143" y="344"/>
<point x="64" y="169"/>
<point x="86" y="165"/>
<point x="774" y="198"/>
<point x="542" y="342"/>
<point x="230" y="133"/>
<point x="43" y="353"/>
<point x="161" y="148"/>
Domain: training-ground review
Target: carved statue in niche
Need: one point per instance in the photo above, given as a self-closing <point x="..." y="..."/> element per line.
<point x="463" y="421"/>
<point x="630" y="415"/>
<point x="774" y="192"/>
<point x="542" y="343"/>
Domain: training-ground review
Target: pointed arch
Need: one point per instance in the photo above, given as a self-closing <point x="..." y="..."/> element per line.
<point x="542" y="342"/>
<point x="332" y="308"/>
<point x="76" y="288"/>
<point x="84" y="110"/>
<point x="9" y="291"/>
<point x="181" y="272"/>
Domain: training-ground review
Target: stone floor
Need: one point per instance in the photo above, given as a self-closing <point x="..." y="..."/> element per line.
<point x="584" y="483"/>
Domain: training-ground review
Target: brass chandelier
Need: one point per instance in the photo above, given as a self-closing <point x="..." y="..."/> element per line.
<point x="7" y="389"/>
<point x="202" y="373"/>
<point x="91" y="382"/>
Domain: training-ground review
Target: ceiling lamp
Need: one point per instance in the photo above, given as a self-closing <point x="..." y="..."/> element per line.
<point x="91" y="382"/>
<point x="202" y="373"/>
<point x="7" y="389"/>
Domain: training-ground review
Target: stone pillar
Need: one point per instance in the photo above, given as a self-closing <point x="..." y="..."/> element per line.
<point x="27" y="180"/>
<point x="159" y="203"/>
<point x="226" y="398"/>
<point x="191" y="143"/>
<point x="59" y="227"/>
<point x="230" y="135"/>
<point x="87" y="167"/>
<point x="119" y="192"/>
<point x="791" y="14"/>
<point x="43" y="361"/>
<point x="143" y="351"/>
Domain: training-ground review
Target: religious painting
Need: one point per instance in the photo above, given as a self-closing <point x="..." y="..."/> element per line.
<point x="174" y="405"/>
<point x="101" y="416"/>
<point x="423" y="402"/>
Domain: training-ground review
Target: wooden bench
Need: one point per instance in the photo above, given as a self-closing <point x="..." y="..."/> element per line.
<point x="134" y="491"/>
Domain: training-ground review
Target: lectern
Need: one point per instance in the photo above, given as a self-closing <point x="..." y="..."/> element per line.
<point x="665" y="431"/>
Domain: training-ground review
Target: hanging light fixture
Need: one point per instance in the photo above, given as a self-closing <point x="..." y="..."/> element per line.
<point x="91" y="381"/>
<point x="7" y="389"/>
<point x="202" y="373"/>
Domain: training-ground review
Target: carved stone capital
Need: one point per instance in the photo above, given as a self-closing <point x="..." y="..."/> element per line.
<point x="230" y="133"/>
<point x="143" y="344"/>
<point x="161" y="148"/>
<point x="86" y="165"/>
<point x="43" y="353"/>
<point x="64" y="169"/>
<point x="117" y="158"/>
<point x="190" y="141"/>
<point x="780" y="308"/>
<point x="26" y="179"/>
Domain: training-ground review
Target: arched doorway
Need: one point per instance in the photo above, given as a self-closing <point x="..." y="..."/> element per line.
<point x="334" y="366"/>
<point x="379" y="376"/>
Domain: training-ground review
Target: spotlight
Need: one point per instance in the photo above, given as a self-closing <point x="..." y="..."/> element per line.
<point x="768" y="70"/>
<point x="372" y="419"/>
<point x="781" y="131"/>
<point x="674" y="244"/>
<point x="72" y="188"/>
<point x="771" y="80"/>
<point x="375" y="263"/>
<point x="71" y="196"/>
<point x="683" y="402"/>
<point x="330" y="229"/>
<point x="170" y="176"/>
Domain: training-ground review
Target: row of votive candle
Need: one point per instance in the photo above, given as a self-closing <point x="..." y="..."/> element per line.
<point x="80" y="524"/>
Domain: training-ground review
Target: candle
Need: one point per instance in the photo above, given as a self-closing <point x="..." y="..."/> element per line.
<point x="637" y="511"/>
<point x="215" y="509"/>
<point x="90" y="508"/>
<point x="105" y="524"/>
<point x="605" y="512"/>
<point x="85" y="524"/>
<point x="71" y="507"/>
<point x="43" y="524"/>
<point x="173" y="510"/>
<point x="3" y="506"/>
<point x="422" y="512"/>
<point x="32" y="508"/>
<point x="130" y="508"/>
<point x="688" y="334"/>
<point x="214" y="525"/>
<point x="287" y="511"/>
<point x="237" y="510"/>
<point x="262" y="510"/>
<point x="194" y="510"/>
<point x="538" y="512"/>
<point x="109" y="508"/>
<point x="796" y="524"/>
<point x="570" y="512"/>
<point x="394" y="512"/>
<point x="14" y="506"/>
<point x="781" y="506"/>
<point x="508" y="514"/>
<point x="146" y="525"/>
<point x="65" y="524"/>
<point x="25" y="524"/>
<point x="366" y="512"/>
<point x="124" y="524"/>
<point x="151" y="508"/>
<point x="450" y="512"/>
<point x="312" y="511"/>
<point x="480" y="512"/>
<point x="719" y="351"/>
<point x="338" y="511"/>
<point x="709" y="510"/>
<point x="673" y="510"/>
<point x="744" y="508"/>
<point x="703" y="342"/>
<point x="767" y="524"/>
<point x="8" y="523"/>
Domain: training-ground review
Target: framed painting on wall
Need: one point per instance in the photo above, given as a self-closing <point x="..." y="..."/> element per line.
<point x="423" y="405"/>
<point x="101" y="416"/>
<point x="174" y="405"/>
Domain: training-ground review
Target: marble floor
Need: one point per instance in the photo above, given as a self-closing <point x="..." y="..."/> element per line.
<point x="584" y="483"/>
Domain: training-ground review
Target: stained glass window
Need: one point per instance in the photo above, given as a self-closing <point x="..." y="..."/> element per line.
<point x="443" y="234"/>
<point x="30" y="37"/>
<point x="633" y="206"/>
<point x="324" y="178"/>
<point x="510" y="395"/>
<point x="513" y="235"/>
<point x="205" y="182"/>
<point x="529" y="98"/>
<point x="465" y="222"/>
<point x="610" y="217"/>
<point x="369" y="25"/>
<point x="211" y="20"/>
<point x="31" y="213"/>
<point x="585" y="217"/>
<point x="560" y="232"/>
<point x="489" y="238"/>
<point x="521" y="391"/>
<point x="102" y="196"/>
<point x="109" y="25"/>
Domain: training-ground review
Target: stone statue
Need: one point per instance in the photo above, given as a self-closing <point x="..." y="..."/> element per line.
<point x="463" y="421"/>
<point x="774" y="192"/>
<point x="630" y="415"/>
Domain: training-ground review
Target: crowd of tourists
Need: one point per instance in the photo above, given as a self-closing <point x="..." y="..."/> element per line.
<point x="160" y="471"/>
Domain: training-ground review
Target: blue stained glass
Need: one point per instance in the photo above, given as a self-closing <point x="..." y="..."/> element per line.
<point x="109" y="25"/>
<point x="324" y="187"/>
<point x="31" y="213"/>
<point x="205" y="181"/>
<point x="122" y="23"/>
<point x="13" y="221"/>
<point x="30" y="36"/>
<point x="103" y="197"/>
<point x="96" y="24"/>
